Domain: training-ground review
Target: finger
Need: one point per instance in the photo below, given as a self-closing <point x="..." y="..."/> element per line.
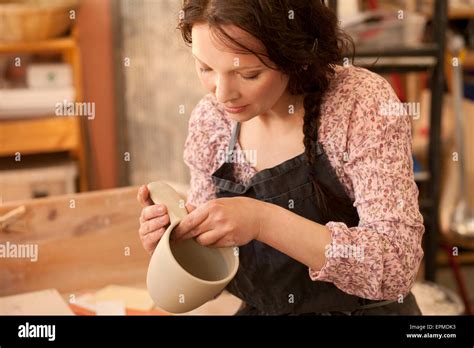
<point x="191" y="234"/>
<point x="192" y="220"/>
<point x="150" y="241"/>
<point x="154" y="211"/>
<point x="143" y="196"/>
<point x="153" y="237"/>
<point x="224" y="242"/>
<point x="140" y="189"/>
<point x="153" y="225"/>
<point x="208" y="238"/>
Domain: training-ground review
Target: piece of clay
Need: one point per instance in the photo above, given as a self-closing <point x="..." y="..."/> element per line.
<point x="185" y="275"/>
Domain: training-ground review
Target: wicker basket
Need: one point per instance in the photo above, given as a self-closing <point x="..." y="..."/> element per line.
<point x="33" y="20"/>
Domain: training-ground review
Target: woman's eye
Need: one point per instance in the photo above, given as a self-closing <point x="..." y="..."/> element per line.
<point x="254" y="77"/>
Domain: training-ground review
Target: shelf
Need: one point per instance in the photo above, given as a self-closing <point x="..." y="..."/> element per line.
<point x="401" y="59"/>
<point x="419" y="50"/>
<point x="465" y="12"/>
<point x="395" y="64"/>
<point x="60" y="44"/>
<point x="39" y="135"/>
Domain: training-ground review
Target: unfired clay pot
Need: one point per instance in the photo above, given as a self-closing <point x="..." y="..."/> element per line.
<point x="185" y="275"/>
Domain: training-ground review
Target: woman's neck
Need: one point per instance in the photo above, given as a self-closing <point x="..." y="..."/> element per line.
<point x="287" y="112"/>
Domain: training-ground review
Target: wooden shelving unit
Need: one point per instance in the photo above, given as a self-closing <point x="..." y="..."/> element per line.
<point x="51" y="134"/>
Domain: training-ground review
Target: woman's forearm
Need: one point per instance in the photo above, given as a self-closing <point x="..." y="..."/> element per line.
<point x="300" y="238"/>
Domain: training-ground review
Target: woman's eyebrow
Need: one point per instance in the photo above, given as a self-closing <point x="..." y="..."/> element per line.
<point x="241" y="68"/>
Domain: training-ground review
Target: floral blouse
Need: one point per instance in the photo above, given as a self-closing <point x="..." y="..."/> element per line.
<point x="370" y="151"/>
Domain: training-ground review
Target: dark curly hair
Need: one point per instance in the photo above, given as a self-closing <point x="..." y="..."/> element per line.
<point x="302" y="38"/>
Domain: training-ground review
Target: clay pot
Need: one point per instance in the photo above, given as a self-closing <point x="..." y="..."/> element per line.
<point x="183" y="276"/>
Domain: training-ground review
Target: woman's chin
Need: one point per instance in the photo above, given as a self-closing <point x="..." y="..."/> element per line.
<point x="243" y="117"/>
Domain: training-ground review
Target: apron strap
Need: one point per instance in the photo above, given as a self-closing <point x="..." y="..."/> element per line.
<point x="233" y="140"/>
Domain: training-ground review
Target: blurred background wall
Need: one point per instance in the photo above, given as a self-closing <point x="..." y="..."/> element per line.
<point x="158" y="83"/>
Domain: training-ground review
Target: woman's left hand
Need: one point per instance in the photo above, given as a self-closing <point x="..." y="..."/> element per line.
<point x="222" y="222"/>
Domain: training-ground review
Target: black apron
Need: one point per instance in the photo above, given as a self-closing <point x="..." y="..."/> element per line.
<point x="270" y="282"/>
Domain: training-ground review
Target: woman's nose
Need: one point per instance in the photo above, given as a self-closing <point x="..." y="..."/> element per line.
<point x="224" y="91"/>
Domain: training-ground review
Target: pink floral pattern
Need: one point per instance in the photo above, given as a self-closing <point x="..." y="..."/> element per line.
<point x="371" y="154"/>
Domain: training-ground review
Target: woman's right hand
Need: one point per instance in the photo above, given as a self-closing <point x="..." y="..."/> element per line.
<point x="153" y="219"/>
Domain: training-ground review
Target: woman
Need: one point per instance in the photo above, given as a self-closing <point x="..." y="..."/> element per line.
<point x="326" y="215"/>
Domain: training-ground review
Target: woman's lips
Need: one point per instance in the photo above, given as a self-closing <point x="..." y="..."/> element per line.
<point x="236" y="110"/>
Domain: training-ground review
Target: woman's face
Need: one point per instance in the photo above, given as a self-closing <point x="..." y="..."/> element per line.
<point x="238" y="79"/>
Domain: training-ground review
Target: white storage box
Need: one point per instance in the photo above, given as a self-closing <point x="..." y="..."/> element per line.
<point x="34" y="181"/>
<point x="57" y="75"/>
<point x="33" y="102"/>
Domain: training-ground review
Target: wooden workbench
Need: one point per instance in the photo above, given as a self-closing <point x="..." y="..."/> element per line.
<point x="85" y="241"/>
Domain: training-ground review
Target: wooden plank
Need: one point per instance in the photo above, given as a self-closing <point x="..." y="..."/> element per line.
<point x="59" y="44"/>
<point x="49" y="134"/>
<point x="84" y="241"/>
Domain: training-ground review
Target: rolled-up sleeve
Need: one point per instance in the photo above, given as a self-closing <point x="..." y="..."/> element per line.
<point x="386" y="244"/>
